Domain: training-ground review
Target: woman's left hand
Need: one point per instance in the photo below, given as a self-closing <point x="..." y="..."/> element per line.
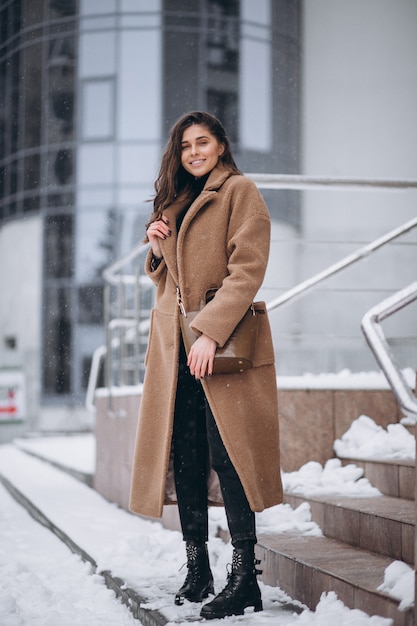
<point x="201" y="357"/>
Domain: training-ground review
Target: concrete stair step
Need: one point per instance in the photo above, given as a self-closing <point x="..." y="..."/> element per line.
<point x="392" y="478"/>
<point x="383" y="525"/>
<point x="305" y="567"/>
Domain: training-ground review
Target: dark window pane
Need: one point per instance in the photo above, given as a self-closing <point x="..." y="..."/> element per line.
<point x="59" y="246"/>
<point x="90" y="304"/>
<point x="58" y="341"/>
<point x="31" y="204"/>
<point x="32" y="86"/>
<point x="223" y="105"/>
<point x="223" y="34"/>
<point x="32" y="171"/>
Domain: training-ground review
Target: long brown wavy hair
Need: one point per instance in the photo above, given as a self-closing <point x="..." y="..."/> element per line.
<point x="173" y="179"/>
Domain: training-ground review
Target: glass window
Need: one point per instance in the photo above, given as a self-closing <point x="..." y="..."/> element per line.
<point x="97" y="109"/>
<point x="60" y="167"/>
<point x="256" y="79"/>
<point x="145" y="5"/>
<point x="140" y="81"/>
<point x="223" y="104"/>
<point x="32" y="171"/>
<point x="138" y="164"/>
<point x="223" y="34"/>
<point x="96" y="8"/>
<point x="97" y="242"/>
<point x="96" y="164"/>
<point x="33" y="95"/>
<point x="90" y="304"/>
<point x="97" y="54"/>
<point x="59" y="246"/>
<point x="57" y="354"/>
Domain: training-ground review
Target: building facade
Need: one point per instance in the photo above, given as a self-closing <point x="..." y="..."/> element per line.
<point x="88" y="92"/>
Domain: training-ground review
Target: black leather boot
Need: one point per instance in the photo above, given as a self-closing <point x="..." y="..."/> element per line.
<point x="242" y="589"/>
<point x="199" y="580"/>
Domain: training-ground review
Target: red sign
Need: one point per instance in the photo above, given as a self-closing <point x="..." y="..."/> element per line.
<point x="12" y="394"/>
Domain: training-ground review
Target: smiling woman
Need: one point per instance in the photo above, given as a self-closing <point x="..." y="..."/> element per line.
<point x="210" y="229"/>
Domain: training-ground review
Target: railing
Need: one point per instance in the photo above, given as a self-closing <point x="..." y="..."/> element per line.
<point x="372" y="329"/>
<point x="128" y="296"/>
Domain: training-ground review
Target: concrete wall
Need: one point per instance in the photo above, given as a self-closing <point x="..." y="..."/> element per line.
<point x="310" y="421"/>
<point x="20" y="310"/>
<point x="357" y="116"/>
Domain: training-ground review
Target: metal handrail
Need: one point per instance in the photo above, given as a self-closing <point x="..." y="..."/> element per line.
<point x="371" y="328"/>
<point x="301" y="182"/>
<point x="110" y="273"/>
<point x="363" y="252"/>
<point x="267" y="181"/>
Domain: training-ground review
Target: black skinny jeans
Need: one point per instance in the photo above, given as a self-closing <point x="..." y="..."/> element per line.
<point x="195" y="437"/>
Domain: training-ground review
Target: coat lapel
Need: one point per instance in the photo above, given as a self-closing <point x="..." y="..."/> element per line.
<point x="173" y="244"/>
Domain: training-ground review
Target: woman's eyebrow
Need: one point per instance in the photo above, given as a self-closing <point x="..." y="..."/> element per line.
<point x="197" y="139"/>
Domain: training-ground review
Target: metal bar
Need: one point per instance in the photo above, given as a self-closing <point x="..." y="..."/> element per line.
<point x="376" y="340"/>
<point x="299" y="182"/>
<point x="98" y="356"/>
<point x="342" y="264"/>
<point x="109" y="274"/>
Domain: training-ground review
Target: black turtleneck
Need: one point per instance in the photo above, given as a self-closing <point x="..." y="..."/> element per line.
<point x="195" y="189"/>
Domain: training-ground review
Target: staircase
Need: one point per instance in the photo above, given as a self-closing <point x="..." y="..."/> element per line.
<point x="362" y="536"/>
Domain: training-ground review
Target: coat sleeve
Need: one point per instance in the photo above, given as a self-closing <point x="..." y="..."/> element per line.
<point x="248" y="242"/>
<point x="154" y="274"/>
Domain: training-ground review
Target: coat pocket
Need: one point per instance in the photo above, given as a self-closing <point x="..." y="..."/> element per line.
<point x="264" y="351"/>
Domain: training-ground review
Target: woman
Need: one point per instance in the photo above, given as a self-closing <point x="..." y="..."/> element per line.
<point x="210" y="229"/>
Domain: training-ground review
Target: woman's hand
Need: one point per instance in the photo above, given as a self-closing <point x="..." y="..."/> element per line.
<point x="201" y="357"/>
<point x="155" y="232"/>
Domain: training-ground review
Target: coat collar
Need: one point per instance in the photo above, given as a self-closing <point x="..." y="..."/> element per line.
<point x="169" y="246"/>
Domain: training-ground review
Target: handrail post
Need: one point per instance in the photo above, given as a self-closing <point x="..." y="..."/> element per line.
<point x="371" y="327"/>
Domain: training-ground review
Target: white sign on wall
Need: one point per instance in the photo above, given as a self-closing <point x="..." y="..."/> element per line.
<point x="12" y="394"/>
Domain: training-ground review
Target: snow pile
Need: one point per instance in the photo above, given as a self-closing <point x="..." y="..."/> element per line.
<point x="283" y="519"/>
<point x="366" y="440"/>
<point x="399" y="583"/>
<point x="331" y="611"/>
<point x="312" y="479"/>
<point x="277" y="519"/>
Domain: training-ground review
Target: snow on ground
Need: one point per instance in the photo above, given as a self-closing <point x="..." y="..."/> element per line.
<point x="367" y="440"/>
<point x="42" y="583"/>
<point x="75" y="451"/>
<point x="45" y="582"/>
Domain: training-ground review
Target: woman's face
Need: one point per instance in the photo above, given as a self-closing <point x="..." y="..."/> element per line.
<point x="200" y="150"/>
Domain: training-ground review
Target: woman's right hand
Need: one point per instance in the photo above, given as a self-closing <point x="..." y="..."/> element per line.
<point x="157" y="230"/>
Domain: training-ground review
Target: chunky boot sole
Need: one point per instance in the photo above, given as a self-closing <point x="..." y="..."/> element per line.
<point x="257" y="607"/>
<point x="197" y="597"/>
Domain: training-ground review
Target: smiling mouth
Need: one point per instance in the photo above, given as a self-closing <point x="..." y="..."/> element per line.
<point x="198" y="162"/>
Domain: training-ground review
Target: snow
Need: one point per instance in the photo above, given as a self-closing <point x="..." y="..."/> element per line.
<point x="75" y="451"/>
<point x="313" y="479"/>
<point x="43" y="584"/>
<point x="366" y="440"/>
<point x="399" y="581"/>
<point x="345" y="379"/>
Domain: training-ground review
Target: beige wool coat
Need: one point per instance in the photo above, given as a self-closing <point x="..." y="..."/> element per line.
<point x="223" y="243"/>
